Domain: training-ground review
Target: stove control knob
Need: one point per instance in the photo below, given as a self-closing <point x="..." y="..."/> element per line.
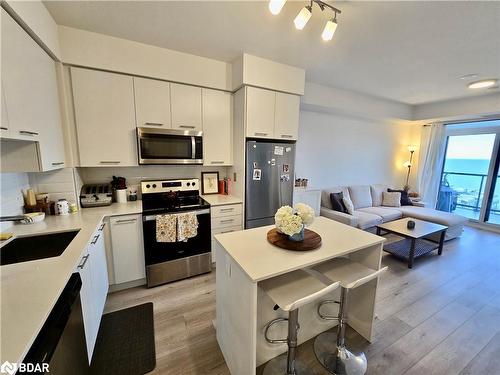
<point x="154" y="186"/>
<point x="194" y="183"/>
<point x="148" y="186"/>
<point x="188" y="184"/>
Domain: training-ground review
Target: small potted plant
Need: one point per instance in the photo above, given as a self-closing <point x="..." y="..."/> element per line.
<point x="292" y="221"/>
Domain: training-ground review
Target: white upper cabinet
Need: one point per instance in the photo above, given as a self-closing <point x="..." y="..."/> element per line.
<point x="260" y="106"/>
<point x="105" y="118"/>
<point x="286" y="116"/>
<point x="152" y="103"/>
<point x="30" y="97"/>
<point x="271" y="114"/>
<point x="217" y="128"/>
<point x="186" y="107"/>
<point x="4" y="125"/>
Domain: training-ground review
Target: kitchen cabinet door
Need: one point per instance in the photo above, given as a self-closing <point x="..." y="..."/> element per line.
<point x="286" y="118"/>
<point x="260" y="105"/>
<point x="99" y="271"/>
<point x="105" y="118"/>
<point x="4" y="125"/>
<point x="128" y="248"/>
<point x="217" y="128"/>
<point x="21" y="80"/>
<point x="86" y="296"/>
<point x="186" y="107"/>
<point x="152" y="103"/>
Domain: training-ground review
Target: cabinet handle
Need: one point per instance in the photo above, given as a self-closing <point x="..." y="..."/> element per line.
<point x="95" y="239"/>
<point x="227" y="209"/>
<point x="122" y="221"/>
<point x="216" y="162"/>
<point x="227" y="231"/>
<point x="286" y="136"/>
<point x="26" y="132"/>
<point x="102" y="227"/>
<point x="261" y="134"/>
<point x="227" y="221"/>
<point x="3" y="128"/>
<point x="85" y="258"/>
<point x="58" y="163"/>
<point x="154" y="123"/>
<point x="109" y="162"/>
<point x="187" y="127"/>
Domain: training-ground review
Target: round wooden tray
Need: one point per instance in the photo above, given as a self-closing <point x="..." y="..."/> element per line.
<point x="312" y="240"/>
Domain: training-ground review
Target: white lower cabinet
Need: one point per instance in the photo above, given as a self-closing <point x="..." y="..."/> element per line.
<point x="224" y="219"/>
<point x="128" y="248"/>
<point x="94" y="274"/>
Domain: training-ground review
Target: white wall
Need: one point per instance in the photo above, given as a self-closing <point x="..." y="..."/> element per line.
<point x="344" y="150"/>
<point x="11" y="194"/>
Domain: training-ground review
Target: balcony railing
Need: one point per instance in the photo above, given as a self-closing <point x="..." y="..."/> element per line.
<point x="476" y="206"/>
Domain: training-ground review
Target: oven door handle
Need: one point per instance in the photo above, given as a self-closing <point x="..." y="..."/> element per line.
<point x="153" y="217"/>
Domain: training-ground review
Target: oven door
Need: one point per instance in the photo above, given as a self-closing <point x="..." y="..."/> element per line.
<point x="160" y="252"/>
<point x="165" y="146"/>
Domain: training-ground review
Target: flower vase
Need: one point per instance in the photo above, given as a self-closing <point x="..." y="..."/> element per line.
<point x="298" y="237"/>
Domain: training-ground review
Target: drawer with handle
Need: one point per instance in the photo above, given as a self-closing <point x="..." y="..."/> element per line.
<point x="227" y="210"/>
<point x="226" y="230"/>
<point x="226" y="221"/>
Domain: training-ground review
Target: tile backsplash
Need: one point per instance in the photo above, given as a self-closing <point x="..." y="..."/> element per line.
<point x="58" y="184"/>
<point x="134" y="175"/>
<point x="12" y="186"/>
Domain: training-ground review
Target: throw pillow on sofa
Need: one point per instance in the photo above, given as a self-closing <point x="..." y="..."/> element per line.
<point x="348" y="205"/>
<point x="405" y="199"/>
<point x="391" y="199"/>
<point x="337" y="203"/>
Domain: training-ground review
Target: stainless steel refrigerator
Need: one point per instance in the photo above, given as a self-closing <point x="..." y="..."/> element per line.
<point x="270" y="168"/>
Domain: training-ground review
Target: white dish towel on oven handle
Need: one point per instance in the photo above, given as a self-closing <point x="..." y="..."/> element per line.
<point x="187" y="226"/>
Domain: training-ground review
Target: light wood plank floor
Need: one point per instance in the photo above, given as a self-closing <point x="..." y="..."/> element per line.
<point x="441" y="317"/>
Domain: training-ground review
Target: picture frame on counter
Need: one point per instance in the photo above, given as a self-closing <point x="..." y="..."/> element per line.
<point x="209" y="182"/>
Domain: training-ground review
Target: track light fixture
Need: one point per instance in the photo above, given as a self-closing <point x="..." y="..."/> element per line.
<point x="305" y="14"/>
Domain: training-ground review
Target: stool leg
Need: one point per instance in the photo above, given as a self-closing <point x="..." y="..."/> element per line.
<point x="338" y="360"/>
<point x="293" y="321"/>
<point x="287" y="364"/>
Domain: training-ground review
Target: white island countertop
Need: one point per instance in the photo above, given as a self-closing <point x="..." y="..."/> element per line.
<point x="29" y="290"/>
<point x="261" y="260"/>
<point x="221" y="199"/>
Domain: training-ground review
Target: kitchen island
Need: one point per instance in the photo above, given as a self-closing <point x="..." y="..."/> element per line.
<point x="246" y="258"/>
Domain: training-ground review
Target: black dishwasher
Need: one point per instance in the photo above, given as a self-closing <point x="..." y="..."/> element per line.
<point x="61" y="341"/>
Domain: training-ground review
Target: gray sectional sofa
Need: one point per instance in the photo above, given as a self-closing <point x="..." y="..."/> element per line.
<point x="369" y="212"/>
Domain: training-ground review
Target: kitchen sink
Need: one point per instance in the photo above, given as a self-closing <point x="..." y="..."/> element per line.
<point x="24" y="249"/>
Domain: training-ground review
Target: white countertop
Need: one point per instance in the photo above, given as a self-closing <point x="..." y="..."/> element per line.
<point x="261" y="260"/>
<point x="29" y="290"/>
<point x="221" y="199"/>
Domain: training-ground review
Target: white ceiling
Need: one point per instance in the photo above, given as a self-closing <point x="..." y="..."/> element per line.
<point x="411" y="52"/>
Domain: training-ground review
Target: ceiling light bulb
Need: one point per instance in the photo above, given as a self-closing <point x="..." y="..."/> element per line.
<point x="407" y="164"/>
<point x="302" y="18"/>
<point x="275" y="6"/>
<point x="412" y="148"/>
<point x="329" y="30"/>
<point x="483" y="84"/>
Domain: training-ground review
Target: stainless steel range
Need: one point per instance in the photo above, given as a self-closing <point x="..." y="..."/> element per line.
<point x="169" y="261"/>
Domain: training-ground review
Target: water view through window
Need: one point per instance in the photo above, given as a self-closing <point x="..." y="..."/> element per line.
<point x="465" y="176"/>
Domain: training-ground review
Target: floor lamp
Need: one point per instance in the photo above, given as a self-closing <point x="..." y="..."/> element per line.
<point x="408" y="164"/>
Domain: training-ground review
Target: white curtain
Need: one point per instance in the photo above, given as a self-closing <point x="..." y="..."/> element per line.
<point x="430" y="164"/>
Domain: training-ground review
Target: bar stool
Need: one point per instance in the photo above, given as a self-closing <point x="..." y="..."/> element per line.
<point x="290" y="292"/>
<point x="329" y="347"/>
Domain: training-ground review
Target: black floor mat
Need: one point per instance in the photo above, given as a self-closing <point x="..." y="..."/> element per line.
<point x="126" y="342"/>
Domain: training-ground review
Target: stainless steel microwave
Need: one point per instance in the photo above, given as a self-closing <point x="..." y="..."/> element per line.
<point x="167" y="146"/>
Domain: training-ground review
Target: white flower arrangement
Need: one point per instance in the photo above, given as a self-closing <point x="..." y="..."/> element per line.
<point x="292" y="220"/>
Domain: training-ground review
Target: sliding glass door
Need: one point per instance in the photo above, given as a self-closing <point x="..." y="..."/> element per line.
<point x="469" y="182"/>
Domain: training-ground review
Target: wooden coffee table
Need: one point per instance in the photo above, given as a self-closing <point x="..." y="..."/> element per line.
<point x="414" y="243"/>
